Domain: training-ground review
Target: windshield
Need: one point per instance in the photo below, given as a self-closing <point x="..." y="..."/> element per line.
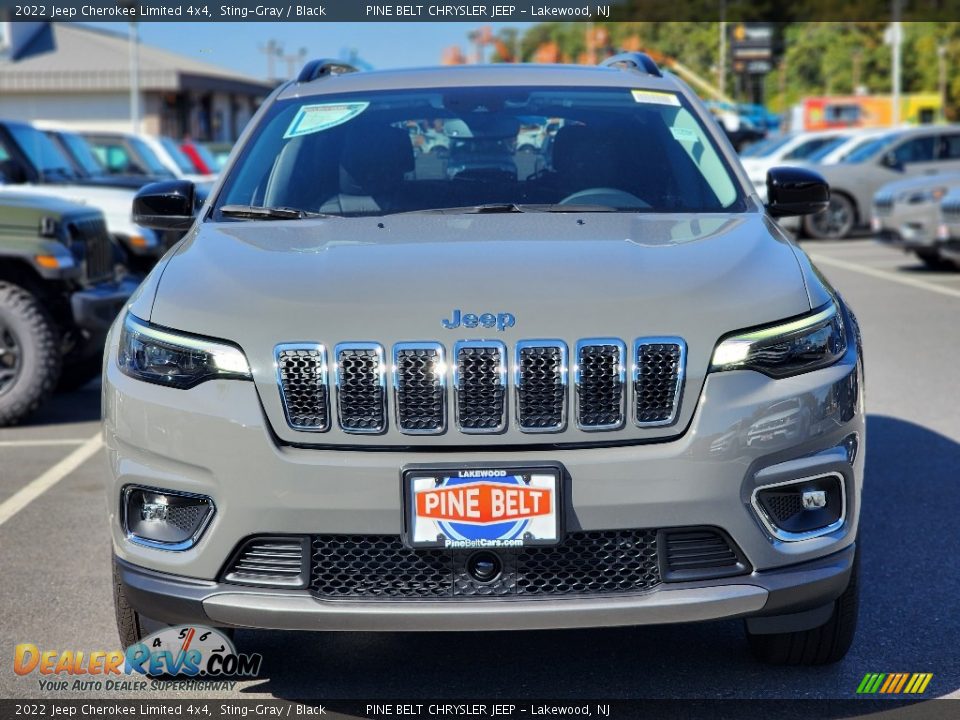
<point x="805" y="149"/>
<point x="869" y="148"/>
<point x="80" y="151"/>
<point x="826" y="149"/>
<point x="46" y="157"/>
<point x="148" y="157"/>
<point x="767" y="147"/>
<point x="456" y="148"/>
<point x="179" y="157"/>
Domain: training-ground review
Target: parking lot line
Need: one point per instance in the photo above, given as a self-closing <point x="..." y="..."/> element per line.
<point x="36" y="487"/>
<point x="41" y="443"/>
<point x="883" y="275"/>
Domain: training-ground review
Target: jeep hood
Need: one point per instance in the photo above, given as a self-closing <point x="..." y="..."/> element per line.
<point x="395" y="278"/>
<point x="114" y="203"/>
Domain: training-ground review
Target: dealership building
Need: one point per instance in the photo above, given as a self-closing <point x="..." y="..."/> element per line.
<point x="83" y="83"/>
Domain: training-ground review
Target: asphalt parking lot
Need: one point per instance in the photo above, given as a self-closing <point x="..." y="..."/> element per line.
<point x="55" y="589"/>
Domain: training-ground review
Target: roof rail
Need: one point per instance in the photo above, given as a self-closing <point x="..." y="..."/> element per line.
<point x="324" y="67"/>
<point x="633" y="61"/>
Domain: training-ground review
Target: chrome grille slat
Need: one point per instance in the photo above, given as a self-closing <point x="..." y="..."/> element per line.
<point x="361" y="391"/>
<point x="94" y="247"/>
<point x="659" y="366"/>
<point x="480" y="386"/>
<point x="540" y="382"/>
<point x="302" y="375"/>
<point x="420" y="388"/>
<point x="600" y="379"/>
<point x="272" y="563"/>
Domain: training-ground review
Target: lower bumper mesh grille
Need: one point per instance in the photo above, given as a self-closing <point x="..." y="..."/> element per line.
<point x="373" y="567"/>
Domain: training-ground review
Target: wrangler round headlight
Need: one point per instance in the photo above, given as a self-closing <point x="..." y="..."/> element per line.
<point x="791" y="348"/>
<point x="175" y="359"/>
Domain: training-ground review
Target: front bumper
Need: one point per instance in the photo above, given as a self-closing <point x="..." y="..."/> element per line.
<point x="95" y="308"/>
<point x="908" y="227"/>
<point x="788" y="591"/>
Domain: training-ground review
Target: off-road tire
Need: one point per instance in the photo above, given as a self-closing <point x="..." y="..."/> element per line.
<point x="39" y="341"/>
<point x="821" y="645"/>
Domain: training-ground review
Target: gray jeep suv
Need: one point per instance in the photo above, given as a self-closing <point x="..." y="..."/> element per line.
<point x="588" y="382"/>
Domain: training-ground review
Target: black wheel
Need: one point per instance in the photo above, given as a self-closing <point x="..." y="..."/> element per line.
<point x="834" y="223"/>
<point x="933" y="260"/>
<point x="821" y="645"/>
<point x="76" y="374"/>
<point x="29" y="354"/>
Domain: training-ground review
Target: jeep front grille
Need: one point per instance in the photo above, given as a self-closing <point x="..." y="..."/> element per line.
<point x="91" y="246"/>
<point x="539" y="371"/>
<point x="600" y="379"/>
<point x="657" y="379"/>
<point x="419" y="385"/>
<point x="382" y="567"/>
<point x="302" y="374"/>
<point x="361" y="392"/>
<point x="540" y="378"/>
<point x="480" y="383"/>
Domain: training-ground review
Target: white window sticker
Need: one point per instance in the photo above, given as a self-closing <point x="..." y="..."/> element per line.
<point x="316" y="118"/>
<point x="684" y="134"/>
<point x="653" y="97"/>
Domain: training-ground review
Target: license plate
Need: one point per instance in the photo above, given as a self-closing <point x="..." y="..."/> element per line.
<point x="468" y="508"/>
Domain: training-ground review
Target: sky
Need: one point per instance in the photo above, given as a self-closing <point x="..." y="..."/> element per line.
<point x="237" y="45"/>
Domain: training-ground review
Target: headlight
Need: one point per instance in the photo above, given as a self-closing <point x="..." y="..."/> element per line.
<point x="924" y="196"/>
<point x="175" y="359"/>
<point x="790" y="348"/>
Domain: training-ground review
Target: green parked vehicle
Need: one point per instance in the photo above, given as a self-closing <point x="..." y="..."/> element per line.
<point x="60" y="288"/>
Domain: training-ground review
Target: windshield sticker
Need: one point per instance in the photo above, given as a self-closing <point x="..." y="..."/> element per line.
<point x="316" y="118"/>
<point x="682" y="134"/>
<point x="652" y="97"/>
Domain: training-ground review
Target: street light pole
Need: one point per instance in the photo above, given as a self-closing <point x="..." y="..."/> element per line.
<point x="134" y="77"/>
<point x="722" y="62"/>
<point x="942" y="62"/>
<point x="896" y="40"/>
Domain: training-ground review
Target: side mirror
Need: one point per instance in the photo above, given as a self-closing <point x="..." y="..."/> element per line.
<point x="891" y="161"/>
<point x="12" y="172"/>
<point x="796" y="191"/>
<point x="167" y="205"/>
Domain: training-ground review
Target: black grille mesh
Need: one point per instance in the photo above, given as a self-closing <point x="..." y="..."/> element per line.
<point x="303" y="382"/>
<point x="600" y="391"/>
<point x="91" y="245"/>
<point x="420" y="392"/>
<point x="655" y="389"/>
<point x="541" y="395"/>
<point x="360" y="392"/>
<point x="481" y="396"/>
<point x="382" y="567"/>
<point x="782" y="506"/>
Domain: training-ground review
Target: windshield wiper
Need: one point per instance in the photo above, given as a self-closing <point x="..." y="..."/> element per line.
<point x="254" y="212"/>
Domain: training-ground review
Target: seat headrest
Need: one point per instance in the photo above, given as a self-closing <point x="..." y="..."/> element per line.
<point x="374" y="159"/>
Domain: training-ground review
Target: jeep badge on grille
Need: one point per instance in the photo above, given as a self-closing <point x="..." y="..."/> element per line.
<point x="501" y="321"/>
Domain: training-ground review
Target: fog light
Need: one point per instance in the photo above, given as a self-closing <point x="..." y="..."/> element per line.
<point x="802" y="509"/>
<point x="164" y="519"/>
<point x="814" y="499"/>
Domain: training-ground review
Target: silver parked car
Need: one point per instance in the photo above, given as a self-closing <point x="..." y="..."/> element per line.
<point x="366" y="394"/>
<point x="948" y="230"/>
<point x="906" y="214"/>
<point x="899" y="154"/>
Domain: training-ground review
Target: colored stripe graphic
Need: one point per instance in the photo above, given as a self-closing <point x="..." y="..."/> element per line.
<point x="894" y="683"/>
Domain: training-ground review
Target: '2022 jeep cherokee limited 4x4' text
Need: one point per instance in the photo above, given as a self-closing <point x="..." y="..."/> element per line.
<point x="590" y="384"/>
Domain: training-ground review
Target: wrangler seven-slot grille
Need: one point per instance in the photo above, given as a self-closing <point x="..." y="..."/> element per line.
<point x="90" y="244"/>
<point x="610" y="384"/>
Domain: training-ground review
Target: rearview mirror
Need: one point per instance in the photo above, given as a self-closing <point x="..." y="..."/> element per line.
<point x="796" y="191"/>
<point x="167" y="205"/>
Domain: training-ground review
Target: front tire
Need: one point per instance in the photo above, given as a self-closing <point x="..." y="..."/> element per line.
<point x="29" y="354"/>
<point x="821" y="645"/>
<point x="933" y="260"/>
<point x="834" y="223"/>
